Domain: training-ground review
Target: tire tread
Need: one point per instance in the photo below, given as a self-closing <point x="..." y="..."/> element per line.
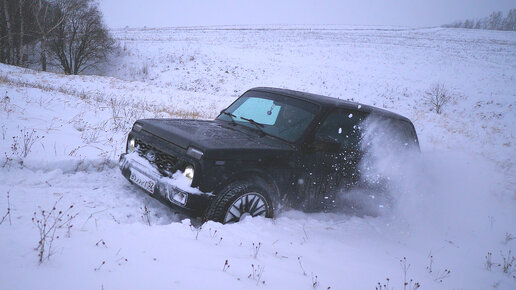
<point x="217" y="210"/>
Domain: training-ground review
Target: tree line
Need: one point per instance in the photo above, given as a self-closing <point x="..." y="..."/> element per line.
<point x="68" y="33"/>
<point x="495" y="21"/>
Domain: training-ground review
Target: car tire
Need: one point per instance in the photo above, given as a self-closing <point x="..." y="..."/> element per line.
<point x="238" y="199"/>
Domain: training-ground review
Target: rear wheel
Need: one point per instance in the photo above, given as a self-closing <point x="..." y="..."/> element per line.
<point x="237" y="200"/>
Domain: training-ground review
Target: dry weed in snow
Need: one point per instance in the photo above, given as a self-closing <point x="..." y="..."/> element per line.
<point x="48" y="222"/>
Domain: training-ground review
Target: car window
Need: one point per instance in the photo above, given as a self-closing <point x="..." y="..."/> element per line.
<point x="261" y="110"/>
<point x="281" y="116"/>
<point x="402" y="133"/>
<point x="343" y="126"/>
<point x="389" y="134"/>
<point x="292" y="121"/>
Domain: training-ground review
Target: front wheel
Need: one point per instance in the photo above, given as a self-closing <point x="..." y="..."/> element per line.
<point x="237" y="200"/>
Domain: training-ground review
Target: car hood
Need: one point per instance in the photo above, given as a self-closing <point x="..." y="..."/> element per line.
<point x="217" y="139"/>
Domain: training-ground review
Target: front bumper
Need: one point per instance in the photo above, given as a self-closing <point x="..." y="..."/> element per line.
<point x="191" y="203"/>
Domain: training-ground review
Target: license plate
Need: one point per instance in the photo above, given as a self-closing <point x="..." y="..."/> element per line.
<point x="143" y="181"/>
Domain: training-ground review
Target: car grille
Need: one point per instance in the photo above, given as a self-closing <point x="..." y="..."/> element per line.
<point x="166" y="163"/>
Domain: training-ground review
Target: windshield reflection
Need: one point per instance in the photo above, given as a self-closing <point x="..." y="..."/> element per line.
<point x="279" y="116"/>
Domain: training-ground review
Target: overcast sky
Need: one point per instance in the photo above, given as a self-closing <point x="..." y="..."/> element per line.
<point x="166" y="13"/>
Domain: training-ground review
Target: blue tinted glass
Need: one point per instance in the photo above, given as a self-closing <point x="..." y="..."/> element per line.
<point x="263" y="111"/>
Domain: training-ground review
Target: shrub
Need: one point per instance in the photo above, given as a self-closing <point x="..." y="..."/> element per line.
<point x="48" y="223"/>
<point x="438" y="96"/>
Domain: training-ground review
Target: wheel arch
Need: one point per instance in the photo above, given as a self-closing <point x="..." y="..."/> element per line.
<point x="259" y="177"/>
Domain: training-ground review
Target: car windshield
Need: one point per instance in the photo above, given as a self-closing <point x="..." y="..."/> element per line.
<point x="279" y="116"/>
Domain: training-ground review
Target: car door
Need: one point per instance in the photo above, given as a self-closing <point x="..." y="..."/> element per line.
<point x="330" y="160"/>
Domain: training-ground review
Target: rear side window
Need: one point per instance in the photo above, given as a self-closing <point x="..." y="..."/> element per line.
<point x="406" y="133"/>
<point x="389" y="134"/>
<point x="344" y="126"/>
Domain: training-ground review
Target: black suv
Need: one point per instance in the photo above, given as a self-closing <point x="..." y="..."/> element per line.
<point x="269" y="147"/>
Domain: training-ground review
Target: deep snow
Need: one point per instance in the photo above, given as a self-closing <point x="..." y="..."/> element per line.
<point x="455" y="201"/>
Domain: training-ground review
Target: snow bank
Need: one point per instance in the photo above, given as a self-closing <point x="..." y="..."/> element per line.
<point x="446" y="208"/>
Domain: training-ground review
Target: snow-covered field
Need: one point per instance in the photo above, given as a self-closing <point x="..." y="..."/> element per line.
<point x="454" y="203"/>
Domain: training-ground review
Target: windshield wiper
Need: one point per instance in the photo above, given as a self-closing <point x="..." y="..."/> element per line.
<point x="259" y="126"/>
<point x="231" y="115"/>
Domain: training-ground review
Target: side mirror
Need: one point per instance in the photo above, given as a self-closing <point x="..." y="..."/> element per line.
<point x="326" y="144"/>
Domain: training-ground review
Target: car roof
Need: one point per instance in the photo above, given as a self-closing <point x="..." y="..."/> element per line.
<point x="331" y="102"/>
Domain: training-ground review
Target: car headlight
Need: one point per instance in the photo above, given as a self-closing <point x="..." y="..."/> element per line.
<point x="189" y="172"/>
<point x="131" y="145"/>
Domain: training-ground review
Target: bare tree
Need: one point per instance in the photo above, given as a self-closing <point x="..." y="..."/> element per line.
<point x="509" y="22"/>
<point x="495" y="20"/>
<point x="9" y="25"/>
<point x="81" y="41"/>
<point x="438" y="96"/>
<point x="16" y="30"/>
<point x="19" y="58"/>
<point x="69" y="31"/>
<point x="469" y="23"/>
<point x="48" y="16"/>
<point x="479" y="24"/>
